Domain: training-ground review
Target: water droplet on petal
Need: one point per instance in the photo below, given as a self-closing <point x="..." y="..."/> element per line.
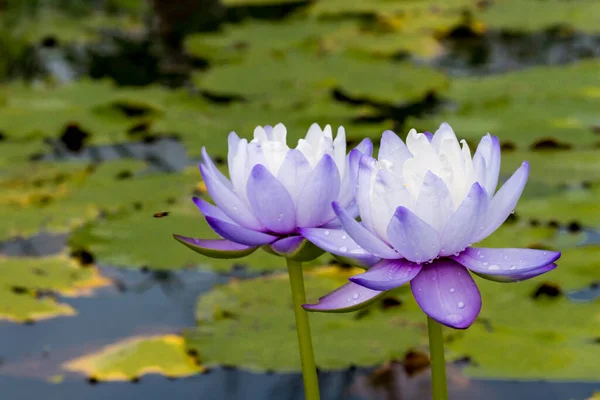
<point x="481" y="256"/>
<point x="513" y="267"/>
<point x="461" y="304"/>
<point x="344" y="237"/>
<point x="235" y="208"/>
<point x="326" y="233"/>
<point x="545" y="253"/>
<point x="280" y="217"/>
<point x="355" y="296"/>
<point x="343" y="249"/>
<point x="494" y="267"/>
<point x="485" y="263"/>
<point x="451" y="290"/>
<point x="197" y="241"/>
<point x="506" y="258"/>
<point x="512" y="212"/>
<point x="457" y="253"/>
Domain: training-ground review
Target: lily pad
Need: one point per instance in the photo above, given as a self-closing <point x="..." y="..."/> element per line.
<point x="58" y="274"/>
<point x="527" y="355"/>
<point x="24" y="307"/>
<point x="525" y="107"/>
<point x="575" y="14"/>
<point x="136" y="239"/>
<point x="135" y="357"/>
<point x="555" y="167"/>
<point x="89" y="195"/>
<point x="238" y="324"/>
<point x="549" y="336"/>
<point x="297" y="74"/>
<point x="580" y="205"/>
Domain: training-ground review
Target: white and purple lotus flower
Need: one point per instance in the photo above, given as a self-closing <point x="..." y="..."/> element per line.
<point x="275" y="191"/>
<point x="422" y="205"/>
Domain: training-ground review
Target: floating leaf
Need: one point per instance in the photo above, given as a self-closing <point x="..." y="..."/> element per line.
<point x="24" y="307"/>
<point x="239" y="323"/>
<point x="58" y="274"/>
<point x="293" y="73"/>
<point x="138" y="239"/>
<point x="135" y="357"/>
<point x="580" y="15"/>
<point x="524" y="107"/>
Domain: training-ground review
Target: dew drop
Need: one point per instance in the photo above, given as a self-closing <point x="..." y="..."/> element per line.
<point x="545" y="253"/>
<point x="355" y="296"/>
<point x="197" y="241"/>
<point x="481" y="256"/>
<point x="280" y="217"/>
<point x="461" y="304"/>
<point x="326" y="233"/>
<point x="506" y="257"/>
<point x="451" y="290"/>
<point x="513" y="267"/>
<point x="485" y="263"/>
<point x="457" y="253"/>
<point x="235" y="208"/>
<point x="344" y="237"/>
<point x="512" y="212"/>
<point x="493" y="267"/>
<point x="343" y="249"/>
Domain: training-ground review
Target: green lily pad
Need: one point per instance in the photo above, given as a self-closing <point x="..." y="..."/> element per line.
<point x="527" y="355"/>
<point x="238" y="324"/>
<point x="522" y="337"/>
<point x="520" y="235"/>
<point x="93" y="192"/>
<point x="24" y="307"/>
<point x="579" y="15"/>
<point x="58" y="274"/>
<point x="136" y="239"/>
<point x="555" y="167"/>
<point x="296" y="74"/>
<point x="374" y="7"/>
<point x="525" y="107"/>
<point x="135" y="357"/>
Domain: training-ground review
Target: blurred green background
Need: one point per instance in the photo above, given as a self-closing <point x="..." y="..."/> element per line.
<point x="106" y="104"/>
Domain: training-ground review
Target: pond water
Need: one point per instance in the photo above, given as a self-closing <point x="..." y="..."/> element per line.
<point x="146" y="303"/>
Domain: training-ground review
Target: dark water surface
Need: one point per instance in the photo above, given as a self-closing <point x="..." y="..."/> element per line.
<point x="146" y="303"/>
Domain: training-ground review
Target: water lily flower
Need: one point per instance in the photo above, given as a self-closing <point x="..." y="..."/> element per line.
<point x="422" y="206"/>
<point x="274" y="191"/>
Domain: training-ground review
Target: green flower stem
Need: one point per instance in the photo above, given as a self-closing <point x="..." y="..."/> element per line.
<point x="307" y="356"/>
<point x="438" y="363"/>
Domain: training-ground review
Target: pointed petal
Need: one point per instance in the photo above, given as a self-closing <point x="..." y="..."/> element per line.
<point x="500" y="262"/>
<point x="209" y="210"/>
<point x="387" y="274"/>
<point x="208" y="163"/>
<point x="239" y="234"/>
<point x="293" y="173"/>
<point x="296" y="248"/>
<point x="465" y="223"/>
<point x="412" y="237"/>
<point x="228" y="201"/>
<point x="365" y="147"/>
<point x="366" y="176"/>
<point x="505" y="201"/>
<point x="362" y="236"/>
<point x="350" y="297"/>
<point x="446" y="292"/>
<point x="270" y="201"/>
<point x="216" y="248"/>
<point x="393" y="151"/>
<point x="434" y="204"/>
<point x="335" y="241"/>
<point x="489" y="150"/>
<point x="518" y="276"/>
<point x="321" y="188"/>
